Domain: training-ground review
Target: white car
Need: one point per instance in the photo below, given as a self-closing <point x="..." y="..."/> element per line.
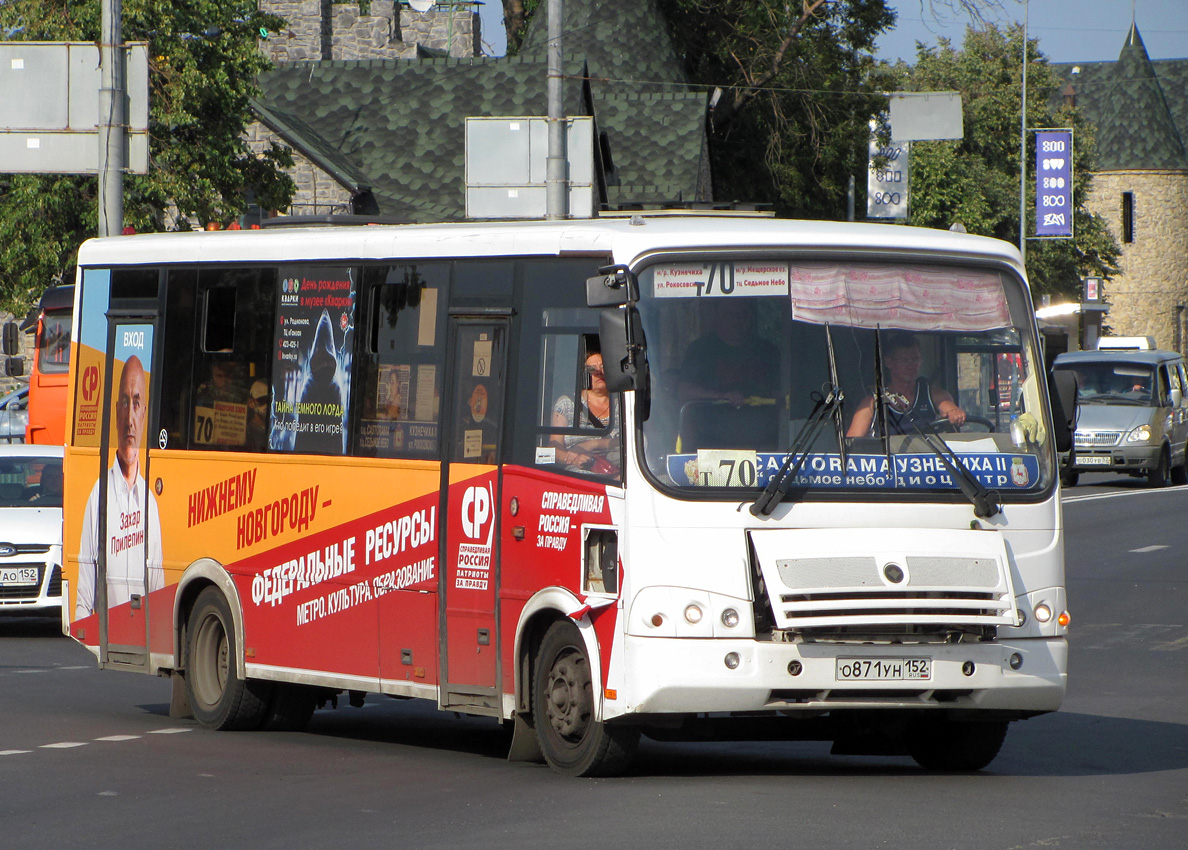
<point x="30" y="530"/>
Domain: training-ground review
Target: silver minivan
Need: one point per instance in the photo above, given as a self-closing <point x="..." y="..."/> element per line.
<point x="1132" y="415"/>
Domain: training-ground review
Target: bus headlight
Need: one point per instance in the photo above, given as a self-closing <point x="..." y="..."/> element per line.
<point x="1139" y="435"/>
<point x="730" y="618"/>
<point x="1043" y="613"/>
<point x="693" y="614"/>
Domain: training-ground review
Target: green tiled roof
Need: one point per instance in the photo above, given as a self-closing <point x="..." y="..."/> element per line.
<point x="398" y="126"/>
<point x="1140" y="108"/>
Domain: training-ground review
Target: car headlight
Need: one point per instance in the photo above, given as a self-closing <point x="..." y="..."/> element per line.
<point x="1139" y="435"/>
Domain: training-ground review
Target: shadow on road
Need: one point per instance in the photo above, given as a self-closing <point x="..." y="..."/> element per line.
<point x="30" y="627"/>
<point x="1063" y="744"/>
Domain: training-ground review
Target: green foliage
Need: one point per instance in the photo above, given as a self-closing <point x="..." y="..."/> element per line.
<point x="203" y="62"/>
<point x="975" y="180"/>
<point x="799" y="85"/>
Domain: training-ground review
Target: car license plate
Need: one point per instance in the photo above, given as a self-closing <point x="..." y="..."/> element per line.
<point x="883" y="669"/>
<point x="1093" y="460"/>
<point x="11" y="576"/>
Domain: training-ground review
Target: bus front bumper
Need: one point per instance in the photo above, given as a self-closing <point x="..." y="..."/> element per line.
<point x="681" y="675"/>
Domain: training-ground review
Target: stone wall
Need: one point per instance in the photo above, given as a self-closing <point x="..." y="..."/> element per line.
<point x="317" y="192"/>
<point x="1143" y="298"/>
<point x="324" y="29"/>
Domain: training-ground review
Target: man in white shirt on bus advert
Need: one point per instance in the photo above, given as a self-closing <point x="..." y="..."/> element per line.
<point x="133" y="526"/>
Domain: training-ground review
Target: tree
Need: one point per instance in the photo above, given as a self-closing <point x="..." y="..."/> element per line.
<point x="975" y="180"/>
<point x="799" y="84"/>
<point x="203" y="62"/>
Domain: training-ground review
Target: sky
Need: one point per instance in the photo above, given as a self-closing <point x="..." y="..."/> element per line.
<point x="1068" y="30"/>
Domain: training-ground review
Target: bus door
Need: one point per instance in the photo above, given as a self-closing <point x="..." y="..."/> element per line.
<point x="470" y="555"/>
<point x="128" y="562"/>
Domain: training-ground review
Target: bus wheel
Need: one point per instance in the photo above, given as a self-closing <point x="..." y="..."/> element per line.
<point x="218" y="697"/>
<point x="952" y="745"/>
<point x="291" y="708"/>
<point x="572" y="741"/>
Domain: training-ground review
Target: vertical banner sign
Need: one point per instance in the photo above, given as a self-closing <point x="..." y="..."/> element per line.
<point x="1053" y="183"/>
<point x="887" y="187"/>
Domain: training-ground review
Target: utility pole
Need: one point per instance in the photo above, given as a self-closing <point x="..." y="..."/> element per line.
<point x="556" y="164"/>
<point x="112" y="120"/>
<point x="1023" y="149"/>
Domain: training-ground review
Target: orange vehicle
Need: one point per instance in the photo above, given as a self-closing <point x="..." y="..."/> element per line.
<point x="51" y="365"/>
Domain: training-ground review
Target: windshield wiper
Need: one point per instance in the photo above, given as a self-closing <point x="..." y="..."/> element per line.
<point x="880" y="399"/>
<point x="983" y="499"/>
<point x="829" y="403"/>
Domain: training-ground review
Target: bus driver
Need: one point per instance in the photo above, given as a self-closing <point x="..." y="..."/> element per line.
<point x="910" y="397"/>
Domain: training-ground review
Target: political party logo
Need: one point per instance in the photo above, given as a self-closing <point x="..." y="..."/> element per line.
<point x="90" y="383"/>
<point x="473" y="570"/>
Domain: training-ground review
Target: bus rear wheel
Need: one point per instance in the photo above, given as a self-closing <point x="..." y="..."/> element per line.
<point x="218" y="697"/>
<point x="952" y="745"/>
<point x="572" y="741"/>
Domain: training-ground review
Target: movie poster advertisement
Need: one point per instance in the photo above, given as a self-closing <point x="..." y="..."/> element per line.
<point x="312" y="371"/>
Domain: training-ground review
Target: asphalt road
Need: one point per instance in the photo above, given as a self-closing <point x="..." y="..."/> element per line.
<point x="91" y="759"/>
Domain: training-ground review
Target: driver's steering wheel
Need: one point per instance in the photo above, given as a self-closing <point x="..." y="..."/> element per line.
<point x="944" y="426"/>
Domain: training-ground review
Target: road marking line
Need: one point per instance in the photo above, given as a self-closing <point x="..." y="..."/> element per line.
<point x="1088" y="497"/>
<point x="1171" y="645"/>
<point x="173" y="731"/>
<point x="14" y="752"/>
<point x="118" y="738"/>
<point x="1147" y="549"/>
<point x="63" y="745"/>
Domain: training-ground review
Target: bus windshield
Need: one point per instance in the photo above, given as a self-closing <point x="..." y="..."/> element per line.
<point x="850" y="376"/>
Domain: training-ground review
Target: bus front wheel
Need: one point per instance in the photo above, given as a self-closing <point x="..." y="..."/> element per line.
<point x="954" y="745"/>
<point x="218" y="697"/>
<point x="572" y="741"/>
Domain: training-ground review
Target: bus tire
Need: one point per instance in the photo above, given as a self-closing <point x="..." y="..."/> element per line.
<point x="291" y="708"/>
<point x="952" y="745"/>
<point x="218" y="697"/>
<point x="572" y="741"/>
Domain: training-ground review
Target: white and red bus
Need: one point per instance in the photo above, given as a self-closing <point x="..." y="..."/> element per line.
<point x="589" y="478"/>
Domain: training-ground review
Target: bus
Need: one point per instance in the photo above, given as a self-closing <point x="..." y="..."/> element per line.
<point x="641" y="475"/>
<point x="51" y="362"/>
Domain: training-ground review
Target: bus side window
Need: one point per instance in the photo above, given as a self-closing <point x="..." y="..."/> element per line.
<point x="401" y="363"/>
<point x="580" y="422"/>
<point x="231" y="354"/>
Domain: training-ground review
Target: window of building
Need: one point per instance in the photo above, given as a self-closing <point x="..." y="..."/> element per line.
<point x="1128" y="217"/>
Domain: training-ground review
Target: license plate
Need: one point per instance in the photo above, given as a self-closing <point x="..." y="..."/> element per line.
<point x="11" y="576"/>
<point x="1093" y="460"/>
<point x="883" y="669"/>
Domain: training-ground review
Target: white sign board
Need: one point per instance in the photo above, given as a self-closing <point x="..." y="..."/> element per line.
<point x="929" y="115"/>
<point x="887" y="187"/>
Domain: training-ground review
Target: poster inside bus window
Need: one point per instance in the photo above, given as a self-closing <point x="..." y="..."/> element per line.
<point x="312" y="369"/>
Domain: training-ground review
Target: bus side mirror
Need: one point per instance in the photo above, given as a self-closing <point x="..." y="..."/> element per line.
<point x="1062" y="390"/>
<point x="605" y="290"/>
<point x="14" y="367"/>
<point x="12" y="343"/>
<point x="624" y="355"/>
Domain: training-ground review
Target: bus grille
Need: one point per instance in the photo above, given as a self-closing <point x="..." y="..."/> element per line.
<point x="891" y="587"/>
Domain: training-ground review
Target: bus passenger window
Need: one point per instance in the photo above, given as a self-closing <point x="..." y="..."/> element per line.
<point x="401" y="365"/>
<point x="232" y="355"/>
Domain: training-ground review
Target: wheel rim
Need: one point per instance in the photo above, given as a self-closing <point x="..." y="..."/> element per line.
<point x="569" y="697"/>
<point x="211" y="661"/>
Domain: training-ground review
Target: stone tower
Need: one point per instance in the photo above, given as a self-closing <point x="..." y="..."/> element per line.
<point x="320" y="30"/>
